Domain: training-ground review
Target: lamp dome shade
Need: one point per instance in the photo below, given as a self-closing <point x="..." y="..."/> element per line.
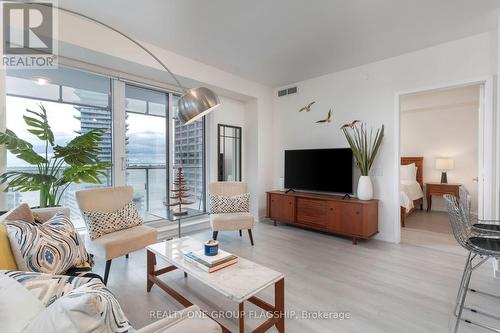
<point x="196" y="103"/>
<point x="445" y="164"/>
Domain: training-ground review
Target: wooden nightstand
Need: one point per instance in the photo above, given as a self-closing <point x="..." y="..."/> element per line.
<point x="440" y="189"/>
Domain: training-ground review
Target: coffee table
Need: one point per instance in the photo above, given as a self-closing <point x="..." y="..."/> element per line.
<point x="239" y="282"/>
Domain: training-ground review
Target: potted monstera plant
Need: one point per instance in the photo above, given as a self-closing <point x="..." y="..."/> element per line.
<point x="364" y="145"/>
<point x="58" y="166"/>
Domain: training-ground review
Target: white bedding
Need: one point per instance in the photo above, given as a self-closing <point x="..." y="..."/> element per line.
<point x="410" y="191"/>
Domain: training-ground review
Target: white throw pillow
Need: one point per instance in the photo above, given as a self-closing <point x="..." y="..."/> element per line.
<point x="18" y="306"/>
<point x="408" y="172"/>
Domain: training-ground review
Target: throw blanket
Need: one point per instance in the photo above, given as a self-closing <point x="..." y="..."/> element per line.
<point x="49" y="288"/>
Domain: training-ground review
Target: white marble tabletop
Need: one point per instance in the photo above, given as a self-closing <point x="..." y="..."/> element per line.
<point x="238" y="282"/>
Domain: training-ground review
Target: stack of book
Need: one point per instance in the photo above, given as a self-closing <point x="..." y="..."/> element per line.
<point x="212" y="263"/>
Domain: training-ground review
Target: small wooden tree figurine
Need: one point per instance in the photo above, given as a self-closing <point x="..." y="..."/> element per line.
<point x="179" y="194"/>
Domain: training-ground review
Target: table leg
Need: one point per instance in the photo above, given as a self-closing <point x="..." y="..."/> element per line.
<point x="429" y="203"/>
<point x="241" y="317"/>
<point x="279" y="303"/>
<point x="151" y="260"/>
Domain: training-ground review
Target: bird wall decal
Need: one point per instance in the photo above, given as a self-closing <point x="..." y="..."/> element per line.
<point x="328" y="118"/>
<point x="307" y="108"/>
<point x="350" y="125"/>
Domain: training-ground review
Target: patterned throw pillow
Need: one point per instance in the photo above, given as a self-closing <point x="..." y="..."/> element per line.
<point x="51" y="247"/>
<point x="238" y="203"/>
<point x="102" y="223"/>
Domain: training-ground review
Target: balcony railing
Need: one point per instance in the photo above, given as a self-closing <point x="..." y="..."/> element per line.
<point x="150" y="183"/>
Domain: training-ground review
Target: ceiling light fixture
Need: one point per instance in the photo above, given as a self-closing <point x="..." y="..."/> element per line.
<point x="193" y="104"/>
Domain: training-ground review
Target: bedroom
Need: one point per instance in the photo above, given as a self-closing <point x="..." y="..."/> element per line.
<point x="439" y="145"/>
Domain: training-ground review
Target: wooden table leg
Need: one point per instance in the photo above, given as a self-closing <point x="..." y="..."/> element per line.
<point x="429" y="203"/>
<point x="241" y="317"/>
<point x="151" y="260"/>
<point x="279" y="304"/>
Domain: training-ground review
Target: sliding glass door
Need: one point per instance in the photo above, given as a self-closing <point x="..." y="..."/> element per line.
<point x="146" y="148"/>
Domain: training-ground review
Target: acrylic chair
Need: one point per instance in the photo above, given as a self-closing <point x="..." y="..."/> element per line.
<point x="482" y="245"/>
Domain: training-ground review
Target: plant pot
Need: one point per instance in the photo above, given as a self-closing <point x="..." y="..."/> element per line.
<point x="365" y="188"/>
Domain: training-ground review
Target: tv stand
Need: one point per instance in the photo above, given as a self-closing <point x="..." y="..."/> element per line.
<point x="328" y="213"/>
<point x="346" y="196"/>
<point x="290" y="190"/>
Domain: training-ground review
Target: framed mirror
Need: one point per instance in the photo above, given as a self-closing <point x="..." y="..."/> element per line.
<point x="228" y="153"/>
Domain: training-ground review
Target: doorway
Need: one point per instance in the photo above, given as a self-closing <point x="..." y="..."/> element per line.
<point x="443" y="138"/>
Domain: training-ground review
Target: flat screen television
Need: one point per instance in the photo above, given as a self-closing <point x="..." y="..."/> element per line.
<point x="325" y="170"/>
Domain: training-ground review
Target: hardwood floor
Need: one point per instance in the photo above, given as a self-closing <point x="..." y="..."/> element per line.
<point x="431" y="230"/>
<point x="431" y="221"/>
<point x="384" y="287"/>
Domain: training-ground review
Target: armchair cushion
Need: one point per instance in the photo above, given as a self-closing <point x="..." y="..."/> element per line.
<point x="231" y="221"/>
<point x="229" y="204"/>
<point x="102" y="223"/>
<point x="50" y="247"/>
<point x="119" y="243"/>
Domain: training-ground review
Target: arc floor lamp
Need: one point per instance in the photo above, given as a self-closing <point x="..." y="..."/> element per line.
<point x="193" y="104"/>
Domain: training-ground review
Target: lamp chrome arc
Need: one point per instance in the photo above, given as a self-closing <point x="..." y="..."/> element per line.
<point x="193" y="104"/>
<point x="196" y="103"/>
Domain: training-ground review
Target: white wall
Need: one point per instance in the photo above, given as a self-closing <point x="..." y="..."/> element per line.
<point x="438" y="124"/>
<point x="231" y="112"/>
<point x="368" y="93"/>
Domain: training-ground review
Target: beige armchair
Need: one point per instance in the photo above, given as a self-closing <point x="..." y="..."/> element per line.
<point x="119" y="243"/>
<point x="230" y="221"/>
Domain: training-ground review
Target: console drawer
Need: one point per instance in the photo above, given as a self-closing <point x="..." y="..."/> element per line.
<point x="313" y="212"/>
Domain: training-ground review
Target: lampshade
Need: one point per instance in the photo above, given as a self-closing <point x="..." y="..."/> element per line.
<point x="196" y="103"/>
<point x="445" y="164"/>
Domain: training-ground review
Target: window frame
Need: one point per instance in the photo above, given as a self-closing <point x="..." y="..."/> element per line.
<point x="110" y="108"/>
<point x="120" y="78"/>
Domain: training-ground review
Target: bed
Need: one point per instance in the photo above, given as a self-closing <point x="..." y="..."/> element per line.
<point x="411" y="190"/>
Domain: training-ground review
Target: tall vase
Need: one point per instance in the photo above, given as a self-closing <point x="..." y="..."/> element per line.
<point x="365" y="188"/>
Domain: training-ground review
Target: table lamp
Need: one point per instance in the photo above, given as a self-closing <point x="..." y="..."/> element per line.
<point x="444" y="164"/>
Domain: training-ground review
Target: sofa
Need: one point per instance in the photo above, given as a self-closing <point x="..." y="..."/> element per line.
<point x="38" y="302"/>
<point x="44" y="303"/>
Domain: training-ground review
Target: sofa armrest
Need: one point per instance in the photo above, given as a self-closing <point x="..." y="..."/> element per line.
<point x="44" y="214"/>
<point x="190" y="319"/>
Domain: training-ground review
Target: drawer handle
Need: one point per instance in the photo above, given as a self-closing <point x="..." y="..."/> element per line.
<point x="357" y="213"/>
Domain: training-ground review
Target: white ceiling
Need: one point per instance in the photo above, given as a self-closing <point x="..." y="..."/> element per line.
<point x="277" y="42"/>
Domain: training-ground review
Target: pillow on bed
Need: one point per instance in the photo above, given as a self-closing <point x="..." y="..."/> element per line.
<point x="408" y="172"/>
